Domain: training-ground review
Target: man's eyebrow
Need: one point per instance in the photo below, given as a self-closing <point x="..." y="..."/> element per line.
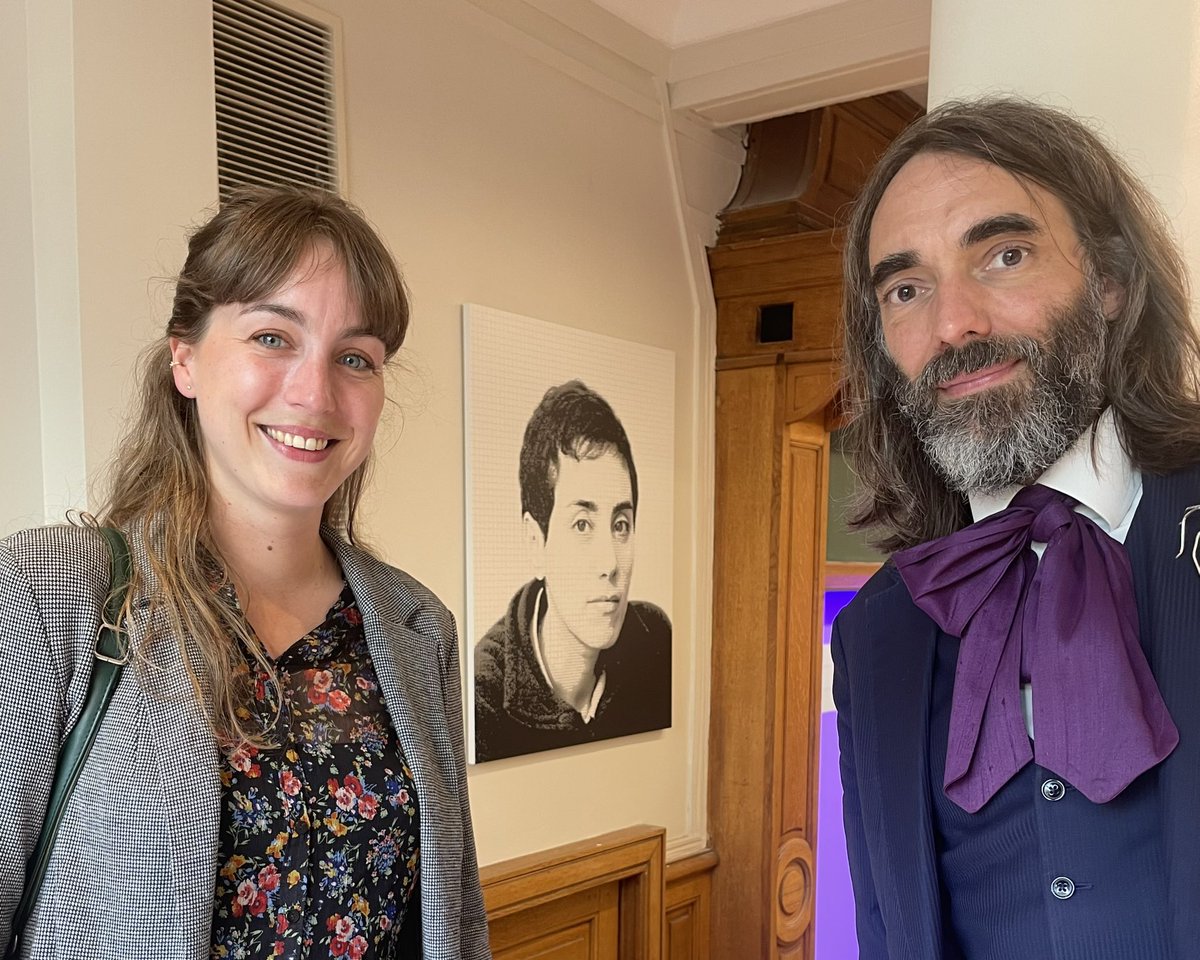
<point x="589" y="505"/>
<point x="997" y="225"/>
<point x="892" y="264"/>
<point x="622" y="507"/>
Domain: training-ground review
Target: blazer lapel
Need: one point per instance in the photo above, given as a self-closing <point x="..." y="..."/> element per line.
<point x="898" y="687"/>
<point x="188" y="763"/>
<point x="1168" y="592"/>
<point x="410" y="675"/>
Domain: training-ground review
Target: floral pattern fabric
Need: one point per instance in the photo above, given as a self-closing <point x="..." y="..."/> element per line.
<point x="319" y="839"/>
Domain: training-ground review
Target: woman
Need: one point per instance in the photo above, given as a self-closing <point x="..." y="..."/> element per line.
<point x="280" y="772"/>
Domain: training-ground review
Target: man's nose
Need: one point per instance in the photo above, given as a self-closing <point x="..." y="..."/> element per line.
<point x="961" y="314"/>
<point x="607" y="557"/>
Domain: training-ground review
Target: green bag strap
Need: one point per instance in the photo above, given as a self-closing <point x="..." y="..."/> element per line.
<point x="112" y="653"/>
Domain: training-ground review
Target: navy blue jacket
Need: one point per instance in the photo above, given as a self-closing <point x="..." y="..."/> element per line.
<point x="883" y="650"/>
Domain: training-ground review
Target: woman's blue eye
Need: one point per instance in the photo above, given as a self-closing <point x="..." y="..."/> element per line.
<point x="270" y="339"/>
<point x="356" y="361"/>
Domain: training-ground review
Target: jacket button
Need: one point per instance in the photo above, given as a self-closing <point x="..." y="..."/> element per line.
<point x="1053" y="790"/>
<point x="1062" y="887"/>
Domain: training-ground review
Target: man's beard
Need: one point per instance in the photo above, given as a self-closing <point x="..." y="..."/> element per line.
<point x="1012" y="432"/>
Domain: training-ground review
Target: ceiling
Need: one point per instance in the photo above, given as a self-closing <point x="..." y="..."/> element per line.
<point x="680" y="22"/>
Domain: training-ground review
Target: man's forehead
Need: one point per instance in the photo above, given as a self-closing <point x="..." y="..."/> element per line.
<point x="596" y="479"/>
<point x="946" y="193"/>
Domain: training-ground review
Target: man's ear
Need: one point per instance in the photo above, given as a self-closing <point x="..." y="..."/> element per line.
<point x="1112" y="298"/>
<point x="535" y="546"/>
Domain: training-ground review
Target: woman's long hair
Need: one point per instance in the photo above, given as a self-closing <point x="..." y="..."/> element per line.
<point x="157" y="478"/>
<point x="1152" y="368"/>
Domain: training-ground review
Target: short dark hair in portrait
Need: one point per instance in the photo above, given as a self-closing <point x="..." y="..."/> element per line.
<point x="573" y="659"/>
<point x="574" y="421"/>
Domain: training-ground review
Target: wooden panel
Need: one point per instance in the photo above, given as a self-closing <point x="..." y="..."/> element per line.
<point x="579" y="927"/>
<point x="753" y="267"/>
<point x="805" y="271"/>
<point x="802" y="171"/>
<point x="804" y="494"/>
<point x="810" y="387"/>
<point x="741" y="727"/>
<point x="628" y="861"/>
<point x="689" y="906"/>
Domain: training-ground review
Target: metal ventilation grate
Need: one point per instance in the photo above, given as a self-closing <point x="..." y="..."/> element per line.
<point x="276" y="98"/>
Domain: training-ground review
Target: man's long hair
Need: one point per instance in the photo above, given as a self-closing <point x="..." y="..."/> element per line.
<point x="1152" y="368"/>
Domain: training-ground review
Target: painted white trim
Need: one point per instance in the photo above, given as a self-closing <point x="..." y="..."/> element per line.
<point x="50" y="25"/>
<point x="850" y="50"/>
<point x="697" y="229"/>
<point x="678" y="848"/>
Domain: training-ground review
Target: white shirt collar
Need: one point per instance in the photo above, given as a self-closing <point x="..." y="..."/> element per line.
<point x="589" y="712"/>
<point x="1106" y="486"/>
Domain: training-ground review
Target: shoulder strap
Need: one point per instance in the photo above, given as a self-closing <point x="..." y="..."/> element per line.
<point x="111" y="655"/>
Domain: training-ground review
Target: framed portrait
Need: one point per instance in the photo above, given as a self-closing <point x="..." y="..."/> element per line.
<point x="570" y="445"/>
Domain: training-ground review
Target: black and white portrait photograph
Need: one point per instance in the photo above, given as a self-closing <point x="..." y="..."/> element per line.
<point x="569" y="452"/>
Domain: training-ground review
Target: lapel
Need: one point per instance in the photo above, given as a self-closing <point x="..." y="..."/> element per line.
<point x="894" y="788"/>
<point x="1168" y="594"/>
<point x="415" y="684"/>
<point x="185" y="753"/>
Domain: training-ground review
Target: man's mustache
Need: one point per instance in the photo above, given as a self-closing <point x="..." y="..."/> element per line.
<point x="973" y="356"/>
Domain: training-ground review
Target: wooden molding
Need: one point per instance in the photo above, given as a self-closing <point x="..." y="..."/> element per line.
<point x="803" y="170"/>
<point x="832" y="54"/>
<point x="689" y="906"/>
<point x="524" y="896"/>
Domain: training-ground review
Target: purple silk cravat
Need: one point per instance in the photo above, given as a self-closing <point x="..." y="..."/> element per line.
<point x="1069" y="623"/>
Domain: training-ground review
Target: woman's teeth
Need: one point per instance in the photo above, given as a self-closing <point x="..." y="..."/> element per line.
<point x="300" y="443"/>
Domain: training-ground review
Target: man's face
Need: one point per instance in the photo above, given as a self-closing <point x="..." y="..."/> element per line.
<point x="987" y="314"/>
<point x="586" y="557"/>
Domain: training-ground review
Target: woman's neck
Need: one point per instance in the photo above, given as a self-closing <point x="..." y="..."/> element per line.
<point x="285" y="576"/>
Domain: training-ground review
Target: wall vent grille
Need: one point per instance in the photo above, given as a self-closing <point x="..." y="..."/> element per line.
<point x="276" y="96"/>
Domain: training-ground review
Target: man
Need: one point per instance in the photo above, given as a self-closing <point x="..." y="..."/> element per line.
<point x="573" y="659"/>
<point x="1017" y="687"/>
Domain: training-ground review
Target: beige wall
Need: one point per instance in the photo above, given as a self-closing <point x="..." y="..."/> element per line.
<point x="1131" y="67"/>
<point x="20" y="409"/>
<point x="503" y="172"/>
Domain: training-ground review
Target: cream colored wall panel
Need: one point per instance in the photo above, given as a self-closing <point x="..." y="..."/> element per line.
<point x="20" y="407"/>
<point x="145" y="144"/>
<point x="1133" y="69"/>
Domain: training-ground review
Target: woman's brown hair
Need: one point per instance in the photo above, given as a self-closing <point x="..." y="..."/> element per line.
<point x="157" y="478"/>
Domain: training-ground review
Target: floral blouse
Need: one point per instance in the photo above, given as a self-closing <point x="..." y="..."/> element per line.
<point x="319" y="839"/>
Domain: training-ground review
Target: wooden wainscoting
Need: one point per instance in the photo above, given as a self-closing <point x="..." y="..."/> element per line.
<point x="607" y="898"/>
<point x="689" y="906"/>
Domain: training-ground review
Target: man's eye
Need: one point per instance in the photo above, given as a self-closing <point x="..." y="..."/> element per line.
<point x="582" y="525"/>
<point x="269" y="339"/>
<point x="1010" y="256"/>
<point x="622" y="527"/>
<point x="902" y="293"/>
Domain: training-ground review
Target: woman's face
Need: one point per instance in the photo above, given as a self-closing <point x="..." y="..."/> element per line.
<point x="288" y="393"/>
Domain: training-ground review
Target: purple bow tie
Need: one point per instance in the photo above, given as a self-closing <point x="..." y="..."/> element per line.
<point x="1069" y="623"/>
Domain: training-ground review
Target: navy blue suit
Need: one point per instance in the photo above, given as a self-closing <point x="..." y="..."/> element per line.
<point x="886" y="660"/>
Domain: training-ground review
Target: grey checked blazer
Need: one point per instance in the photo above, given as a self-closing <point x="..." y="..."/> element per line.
<point x="134" y="867"/>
